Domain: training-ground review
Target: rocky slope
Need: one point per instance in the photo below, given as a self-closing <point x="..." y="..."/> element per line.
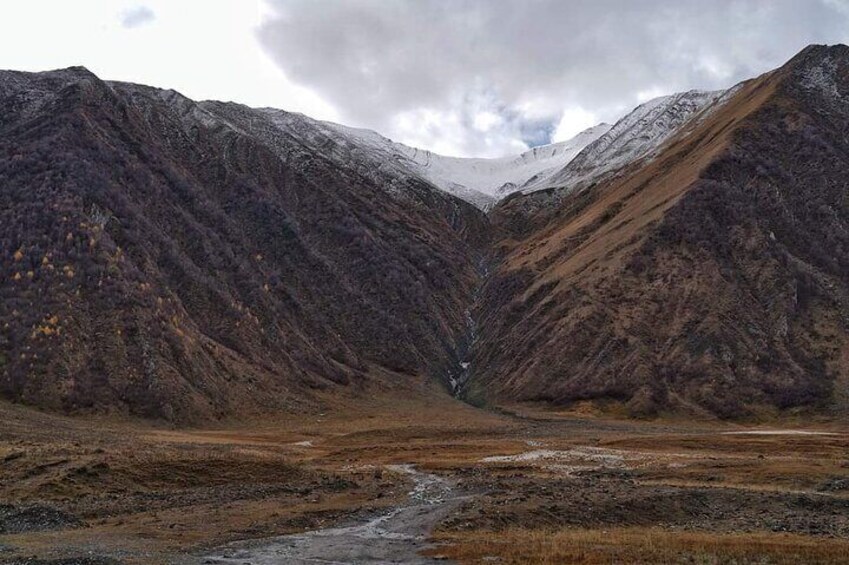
<point x="636" y="138"/>
<point x="638" y="135"/>
<point x="170" y="259"/>
<point x="481" y="182"/>
<point x="709" y="278"/>
<point x="189" y="260"/>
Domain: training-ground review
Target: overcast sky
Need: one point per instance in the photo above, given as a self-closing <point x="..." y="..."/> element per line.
<point x="461" y="77"/>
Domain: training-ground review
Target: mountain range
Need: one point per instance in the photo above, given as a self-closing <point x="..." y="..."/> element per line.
<point x="167" y="258"/>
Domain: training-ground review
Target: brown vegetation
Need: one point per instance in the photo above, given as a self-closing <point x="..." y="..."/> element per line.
<point x="157" y="260"/>
<point x="612" y="490"/>
<point x="710" y="280"/>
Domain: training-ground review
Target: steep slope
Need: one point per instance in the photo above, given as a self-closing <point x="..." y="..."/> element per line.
<point x="171" y="259"/>
<point x="634" y="140"/>
<point x="711" y="278"/>
<point x="481" y="182"/>
<point x="638" y="135"/>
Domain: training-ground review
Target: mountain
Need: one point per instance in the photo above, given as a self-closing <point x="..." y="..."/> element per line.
<point x="638" y="135"/>
<point x="181" y="260"/>
<point x="710" y="277"/>
<point x="481" y="182"/>
<point x="496" y="178"/>
<point x="185" y="260"/>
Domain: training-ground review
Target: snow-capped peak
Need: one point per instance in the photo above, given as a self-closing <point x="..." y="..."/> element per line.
<point x="479" y="181"/>
<point x="497" y="177"/>
<point x="597" y="151"/>
<point x="637" y="135"/>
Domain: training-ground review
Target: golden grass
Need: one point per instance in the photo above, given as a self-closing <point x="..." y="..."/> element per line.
<point x="144" y="490"/>
<point x="638" y="545"/>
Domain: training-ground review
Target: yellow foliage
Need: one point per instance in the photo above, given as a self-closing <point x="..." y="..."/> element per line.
<point x="43" y="330"/>
<point x="30" y="274"/>
<point x="17" y="277"/>
<point x="19" y="254"/>
<point x="49" y="327"/>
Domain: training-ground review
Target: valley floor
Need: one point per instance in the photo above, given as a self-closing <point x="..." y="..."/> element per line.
<point x="426" y="480"/>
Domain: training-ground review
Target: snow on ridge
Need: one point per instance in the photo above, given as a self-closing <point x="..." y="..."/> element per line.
<point x="480" y="181"/>
<point x="822" y="77"/>
<point x="573" y="164"/>
<point x="596" y="152"/>
<point x="593" y="153"/>
<point x="500" y="176"/>
<point x="637" y="135"/>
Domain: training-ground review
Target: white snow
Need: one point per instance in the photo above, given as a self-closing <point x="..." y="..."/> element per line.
<point x="500" y="177"/>
<point x="600" y="150"/>
<point x="822" y="77"/>
<point x="573" y="164"/>
<point x="638" y="135"/>
<point x="479" y="181"/>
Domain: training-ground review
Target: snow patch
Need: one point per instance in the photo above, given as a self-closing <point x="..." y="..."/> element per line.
<point x="822" y="77"/>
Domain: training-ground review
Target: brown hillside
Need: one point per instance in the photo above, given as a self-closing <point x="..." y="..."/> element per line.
<point x="712" y="278"/>
<point x="171" y="259"/>
<point x="159" y="259"/>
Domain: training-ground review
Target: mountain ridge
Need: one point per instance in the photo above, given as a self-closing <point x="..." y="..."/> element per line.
<point x="160" y="261"/>
<point x="709" y="279"/>
<point x="187" y="260"/>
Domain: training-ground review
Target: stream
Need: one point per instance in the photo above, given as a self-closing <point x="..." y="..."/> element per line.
<point x="396" y="536"/>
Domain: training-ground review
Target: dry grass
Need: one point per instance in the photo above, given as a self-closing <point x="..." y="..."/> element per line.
<point x="147" y="493"/>
<point x="638" y="545"/>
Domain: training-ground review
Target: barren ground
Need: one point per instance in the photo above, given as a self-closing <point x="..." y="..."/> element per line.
<point x="431" y="479"/>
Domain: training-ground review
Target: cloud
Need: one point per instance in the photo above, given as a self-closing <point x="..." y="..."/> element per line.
<point x="136" y="16"/>
<point x="488" y="77"/>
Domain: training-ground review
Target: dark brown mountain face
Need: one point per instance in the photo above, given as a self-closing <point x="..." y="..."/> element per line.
<point x="191" y="260"/>
<point x="712" y="279"/>
<point x="177" y="260"/>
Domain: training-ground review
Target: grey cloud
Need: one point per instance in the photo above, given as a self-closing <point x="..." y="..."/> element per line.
<point x="137" y="16"/>
<point x="425" y="69"/>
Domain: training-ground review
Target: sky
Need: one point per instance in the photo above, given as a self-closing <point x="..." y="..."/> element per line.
<point x="482" y="78"/>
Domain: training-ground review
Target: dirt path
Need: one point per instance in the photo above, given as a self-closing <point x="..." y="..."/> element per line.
<point x="393" y="537"/>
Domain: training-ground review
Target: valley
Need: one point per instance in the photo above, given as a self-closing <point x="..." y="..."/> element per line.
<point x="421" y="479"/>
<point x="242" y="335"/>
